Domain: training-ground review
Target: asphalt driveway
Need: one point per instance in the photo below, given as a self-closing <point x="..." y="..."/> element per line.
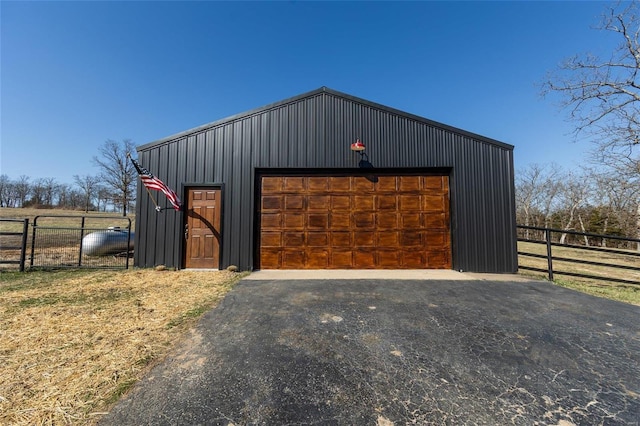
<point x="396" y="352"/>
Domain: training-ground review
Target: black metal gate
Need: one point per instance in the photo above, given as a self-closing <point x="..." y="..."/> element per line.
<point x="13" y="242"/>
<point x="63" y="241"/>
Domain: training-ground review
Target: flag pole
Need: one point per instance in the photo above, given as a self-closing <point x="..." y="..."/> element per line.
<point x="158" y="208"/>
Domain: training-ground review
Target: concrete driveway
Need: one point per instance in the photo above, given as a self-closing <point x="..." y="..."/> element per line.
<point x="447" y="349"/>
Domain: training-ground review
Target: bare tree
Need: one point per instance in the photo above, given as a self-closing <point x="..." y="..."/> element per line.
<point x="23" y="188"/>
<point x="89" y="186"/>
<point x="617" y="195"/>
<point x="573" y="195"/>
<point x="50" y="190"/>
<point x="528" y="188"/>
<point x="603" y="95"/>
<point x="103" y="198"/>
<point x="63" y="195"/>
<point x="118" y="173"/>
<point x="537" y="189"/>
<point x="37" y="193"/>
<point x="551" y="187"/>
<point x="7" y="191"/>
<point x="75" y="199"/>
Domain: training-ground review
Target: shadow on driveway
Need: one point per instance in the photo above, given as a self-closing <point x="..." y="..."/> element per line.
<point x="384" y="352"/>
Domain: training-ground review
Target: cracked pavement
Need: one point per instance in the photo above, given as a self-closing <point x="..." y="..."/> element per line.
<point x="387" y="352"/>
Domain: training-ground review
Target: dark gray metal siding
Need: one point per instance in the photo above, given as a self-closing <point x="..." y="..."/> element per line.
<point x="314" y="131"/>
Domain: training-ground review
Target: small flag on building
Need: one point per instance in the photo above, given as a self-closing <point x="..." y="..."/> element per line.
<point x="152" y="182"/>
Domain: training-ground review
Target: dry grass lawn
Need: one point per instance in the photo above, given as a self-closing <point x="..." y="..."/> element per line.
<point x="72" y="342"/>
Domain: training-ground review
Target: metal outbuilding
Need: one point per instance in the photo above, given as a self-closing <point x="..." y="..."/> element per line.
<point x="289" y="186"/>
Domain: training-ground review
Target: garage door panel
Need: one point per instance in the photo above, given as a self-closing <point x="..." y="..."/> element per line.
<point x="388" y="239"/>
<point x="318" y="184"/>
<point x="318" y="239"/>
<point x="387" y="184"/>
<point x="317" y="259"/>
<point x="272" y="203"/>
<point x="362" y="239"/>
<point x="433" y="182"/>
<point x="434" y="220"/>
<point x="364" y="258"/>
<point x="439" y="260"/>
<point x="363" y="220"/>
<point x="271" y="221"/>
<point x="293" y="202"/>
<point x="292" y="259"/>
<point x="389" y="258"/>
<point x="410" y="203"/>
<point x="292" y="221"/>
<point x="364" y="202"/>
<point x="387" y="202"/>
<point x="271" y="184"/>
<point x="413" y="259"/>
<point x="435" y="239"/>
<point x="353" y="222"/>
<point x="411" y="220"/>
<point x="293" y="239"/>
<point x="411" y="239"/>
<point x="270" y="258"/>
<point x="340" y="220"/>
<point x="318" y="202"/>
<point x="387" y="220"/>
<point x="318" y="221"/>
<point x="340" y="203"/>
<point x="409" y="183"/>
<point x="341" y="259"/>
<point x="362" y="184"/>
<point x="339" y="184"/>
<point x="271" y="239"/>
<point x="341" y="239"/>
<point x="433" y="203"/>
<point x="294" y="184"/>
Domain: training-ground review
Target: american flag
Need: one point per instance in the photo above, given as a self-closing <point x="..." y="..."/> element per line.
<point x="152" y="182"/>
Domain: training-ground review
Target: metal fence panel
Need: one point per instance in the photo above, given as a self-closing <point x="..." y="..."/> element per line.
<point x="62" y="242"/>
<point x="616" y="259"/>
<point x="13" y="242"/>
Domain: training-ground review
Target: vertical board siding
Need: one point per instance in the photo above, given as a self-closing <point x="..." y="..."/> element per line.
<point x="315" y="132"/>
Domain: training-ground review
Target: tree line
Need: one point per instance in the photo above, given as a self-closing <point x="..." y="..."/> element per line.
<point x="113" y="188"/>
<point x="599" y="201"/>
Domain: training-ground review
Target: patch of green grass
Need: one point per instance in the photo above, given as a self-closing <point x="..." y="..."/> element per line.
<point x="122" y="388"/>
<point x="146" y="360"/>
<point x="106" y="296"/>
<point x="111" y="295"/>
<point x="18" y="281"/>
<point x="188" y="316"/>
<point x="621" y="293"/>
<point x="58" y="284"/>
<point x="32" y="302"/>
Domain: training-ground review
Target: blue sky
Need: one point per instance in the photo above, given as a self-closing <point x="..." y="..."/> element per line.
<point x="74" y="74"/>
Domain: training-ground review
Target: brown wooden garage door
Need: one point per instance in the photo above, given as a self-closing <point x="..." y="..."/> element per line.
<point x="345" y="222"/>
